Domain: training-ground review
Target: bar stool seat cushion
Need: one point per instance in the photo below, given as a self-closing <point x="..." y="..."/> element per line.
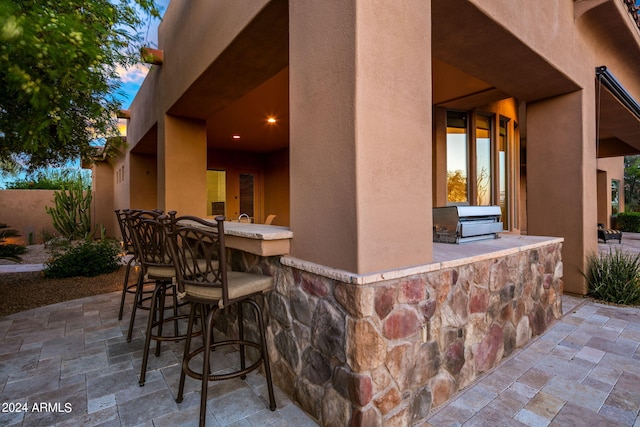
<point x="160" y="273"/>
<point x="241" y="284"/>
<point x="169" y="272"/>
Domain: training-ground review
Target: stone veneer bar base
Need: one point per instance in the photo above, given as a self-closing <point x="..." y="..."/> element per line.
<point x="370" y="351"/>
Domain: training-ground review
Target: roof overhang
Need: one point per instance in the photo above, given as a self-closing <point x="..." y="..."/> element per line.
<point x="618" y="117"/>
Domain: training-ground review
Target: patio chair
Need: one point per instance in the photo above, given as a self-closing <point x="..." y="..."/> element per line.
<point x="150" y="243"/>
<point x="128" y="250"/>
<point x="605" y="234"/>
<point x="210" y="286"/>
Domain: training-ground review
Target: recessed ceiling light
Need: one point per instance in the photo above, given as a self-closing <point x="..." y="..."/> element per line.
<point x="271" y="120"/>
<point x="235" y="137"/>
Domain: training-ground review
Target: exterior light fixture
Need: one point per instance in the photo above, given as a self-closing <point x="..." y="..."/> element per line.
<point x="235" y="137"/>
<point x="271" y="120"/>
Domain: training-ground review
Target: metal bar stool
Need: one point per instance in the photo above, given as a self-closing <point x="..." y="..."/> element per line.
<point x="199" y="253"/>
<point x="127" y="248"/>
<point x="150" y="243"/>
<point x="135" y="216"/>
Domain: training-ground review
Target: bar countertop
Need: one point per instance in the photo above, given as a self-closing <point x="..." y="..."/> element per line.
<point x="259" y="239"/>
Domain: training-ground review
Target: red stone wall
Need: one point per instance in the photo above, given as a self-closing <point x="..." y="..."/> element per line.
<point x="387" y="353"/>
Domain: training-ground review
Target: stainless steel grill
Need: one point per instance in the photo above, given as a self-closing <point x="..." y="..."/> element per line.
<point x="459" y="224"/>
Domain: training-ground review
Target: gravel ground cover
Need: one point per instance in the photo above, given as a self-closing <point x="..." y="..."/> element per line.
<point x="24" y="291"/>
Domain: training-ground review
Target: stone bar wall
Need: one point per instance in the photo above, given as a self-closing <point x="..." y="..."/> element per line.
<point x="387" y="352"/>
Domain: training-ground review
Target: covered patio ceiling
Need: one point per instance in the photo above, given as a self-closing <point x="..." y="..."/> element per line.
<point x="246" y="84"/>
<point x="464" y="37"/>
<point x="249" y="82"/>
<point x="618" y="119"/>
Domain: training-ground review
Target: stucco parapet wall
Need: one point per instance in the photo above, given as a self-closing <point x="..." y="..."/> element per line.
<point x="445" y="256"/>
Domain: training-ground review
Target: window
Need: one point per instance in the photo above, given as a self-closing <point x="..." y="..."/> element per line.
<point x="483" y="161"/>
<point x="615" y="196"/>
<point x="503" y="171"/>
<point x="467" y="185"/>
<point x="457" y="186"/>
<point x="216" y="192"/>
<point x="481" y="150"/>
<point x="247" y="189"/>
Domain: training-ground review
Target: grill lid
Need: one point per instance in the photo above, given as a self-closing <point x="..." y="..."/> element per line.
<point x="459" y="224"/>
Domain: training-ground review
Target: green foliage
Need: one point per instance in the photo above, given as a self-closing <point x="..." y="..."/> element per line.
<point x="10" y="251"/>
<point x="50" y="179"/>
<point x="632" y="183"/>
<point x="615" y="277"/>
<point x="89" y="258"/>
<point x="71" y="214"/>
<point x="628" y="221"/>
<point x="59" y="64"/>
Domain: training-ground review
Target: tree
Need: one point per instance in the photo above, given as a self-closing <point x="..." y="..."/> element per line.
<point x="58" y="75"/>
<point x="456" y="186"/>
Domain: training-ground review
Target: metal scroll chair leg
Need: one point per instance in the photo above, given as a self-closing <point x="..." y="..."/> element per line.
<point x="187" y="346"/>
<point x="241" y="338"/>
<point x="125" y="288"/>
<point x="265" y="353"/>
<point x="138" y="296"/>
<point x="147" y="342"/>
<point x="161" y="300"/>
<point x="206" y="365"/>
<point x="174" y="296"/>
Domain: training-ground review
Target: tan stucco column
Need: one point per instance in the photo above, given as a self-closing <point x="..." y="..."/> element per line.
<point x="360" y="105"/>
<point x="182" y="166"/>
<point x="561" y="179"/>
<point x="102" y="210"/>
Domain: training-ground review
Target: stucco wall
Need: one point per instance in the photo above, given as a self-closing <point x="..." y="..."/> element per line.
<point x="24" y="210"/>
<point x="102" y="203"/>
<point x="276" y="187"/>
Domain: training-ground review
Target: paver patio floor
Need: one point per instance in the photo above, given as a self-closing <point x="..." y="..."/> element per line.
<point x="73" y="362"/>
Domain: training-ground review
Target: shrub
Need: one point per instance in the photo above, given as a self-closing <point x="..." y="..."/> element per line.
<point x="10" y="251"/>
<point x="629" y="221"/>
<point x="615" y="277"/>
<point x="88" y="258"/>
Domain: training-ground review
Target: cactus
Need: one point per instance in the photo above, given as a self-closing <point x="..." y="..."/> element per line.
<point x="71" y="214"/>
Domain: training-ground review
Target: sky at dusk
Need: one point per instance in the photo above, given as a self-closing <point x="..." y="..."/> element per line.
<point x="133" y="77"/>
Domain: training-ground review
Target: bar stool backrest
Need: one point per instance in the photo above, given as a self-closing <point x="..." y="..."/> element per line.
<point x="149" y="238"/>
<point x="127" y="242"/>
<point x="200" y="256"/>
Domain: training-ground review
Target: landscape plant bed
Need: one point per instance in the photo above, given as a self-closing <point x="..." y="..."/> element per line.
<point x="24" y="291"/>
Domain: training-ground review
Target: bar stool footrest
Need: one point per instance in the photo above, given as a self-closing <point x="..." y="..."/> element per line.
<point x="220" y="377"/>
<point x="173" y="337"/>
